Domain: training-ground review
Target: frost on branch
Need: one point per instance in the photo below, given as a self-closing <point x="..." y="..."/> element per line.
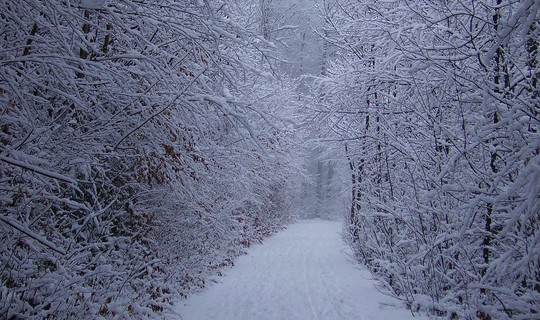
<point x="436" y="107"/>
<point x="116" y="172"/>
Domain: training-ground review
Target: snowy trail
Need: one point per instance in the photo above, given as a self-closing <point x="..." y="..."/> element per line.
<point x="304" y="273"/>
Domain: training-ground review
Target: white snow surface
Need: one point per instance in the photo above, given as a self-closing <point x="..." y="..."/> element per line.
<point x="304" y="272"/>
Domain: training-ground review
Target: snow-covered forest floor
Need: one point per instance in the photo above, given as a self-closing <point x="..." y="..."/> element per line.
<point x="303" y="272"/>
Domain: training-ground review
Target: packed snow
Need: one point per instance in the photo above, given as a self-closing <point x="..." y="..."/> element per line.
<point x="303" y="272"/>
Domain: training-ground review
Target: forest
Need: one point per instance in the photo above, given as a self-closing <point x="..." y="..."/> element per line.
<point x="144" y="145"/>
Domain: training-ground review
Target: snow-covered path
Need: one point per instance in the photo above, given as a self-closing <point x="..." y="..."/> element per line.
<point x="303" y="272"/>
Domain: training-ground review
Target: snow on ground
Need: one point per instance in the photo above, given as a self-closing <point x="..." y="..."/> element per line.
<point x="304" y="272"/>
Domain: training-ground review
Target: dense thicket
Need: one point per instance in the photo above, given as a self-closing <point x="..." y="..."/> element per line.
<point x="141" y="147"/>
<point x="436" y="105"/>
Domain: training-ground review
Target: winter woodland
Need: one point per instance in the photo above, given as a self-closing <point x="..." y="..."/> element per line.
<point x="144" y="145"/>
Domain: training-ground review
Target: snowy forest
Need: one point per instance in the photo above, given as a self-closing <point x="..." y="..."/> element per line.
<point x="144" y="145"/>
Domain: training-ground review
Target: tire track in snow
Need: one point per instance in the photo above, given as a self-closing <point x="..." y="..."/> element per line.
<point x="308" y="290"/>
<point x="330" y="297"/>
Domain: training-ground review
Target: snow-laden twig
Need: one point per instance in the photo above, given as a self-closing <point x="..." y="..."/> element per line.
<point x="158" y="112"/>
<point x="36" y="169"/>
<point x="32" y="235"/>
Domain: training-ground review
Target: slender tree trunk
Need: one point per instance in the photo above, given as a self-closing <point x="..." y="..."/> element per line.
<point x="83" y="54"/>
<point x="355" y="195"/>
<point x="319" y="187"/>
<point x="29" y="40"/>
<point x="329" y="177"/>
<point x="107" y="40"/>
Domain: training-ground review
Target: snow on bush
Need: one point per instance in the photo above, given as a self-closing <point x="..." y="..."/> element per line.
<point x="135" y="154"/>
